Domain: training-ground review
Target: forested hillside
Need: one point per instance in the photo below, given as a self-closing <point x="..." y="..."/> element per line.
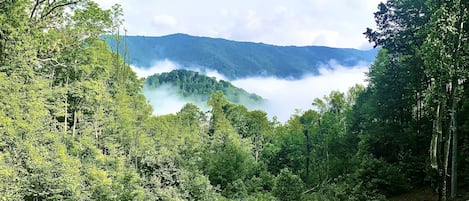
<point x="414" y="112"/>
<point x="197" y="87"/>
<point x="237" y="60"/>
<point x="74" y="124"/>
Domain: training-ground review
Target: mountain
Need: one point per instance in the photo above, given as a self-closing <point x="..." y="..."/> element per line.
<point x="192" y="85"/>
<point x="237" y="59"/>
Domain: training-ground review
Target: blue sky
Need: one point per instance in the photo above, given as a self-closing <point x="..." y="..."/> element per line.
<point x="335" y="23"/>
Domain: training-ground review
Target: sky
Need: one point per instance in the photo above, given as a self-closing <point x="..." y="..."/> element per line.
<point x="333" y="23"/>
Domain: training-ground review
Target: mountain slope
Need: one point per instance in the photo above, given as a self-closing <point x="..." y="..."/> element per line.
<point x="238" y="59"/>
<point x="198" y="87"/>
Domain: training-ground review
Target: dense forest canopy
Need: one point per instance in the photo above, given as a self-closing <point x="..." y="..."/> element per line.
<point x="198" y="87"/>
<point x="74" y="124"/>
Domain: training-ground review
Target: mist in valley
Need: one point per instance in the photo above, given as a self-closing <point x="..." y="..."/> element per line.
<point x="283" y="97"/>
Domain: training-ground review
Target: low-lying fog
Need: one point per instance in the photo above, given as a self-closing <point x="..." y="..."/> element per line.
<point x="283" y="96"/>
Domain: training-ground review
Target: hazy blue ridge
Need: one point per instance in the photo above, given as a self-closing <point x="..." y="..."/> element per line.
<point x="198" y="87"/>
<point x="238" y="59"/>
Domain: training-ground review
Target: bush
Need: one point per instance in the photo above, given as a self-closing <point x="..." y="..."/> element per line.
<point x="236" y="190"/>
<point x="288" y="186"/>
<point x="349" y="189"/>
<point x="382" y="176"/>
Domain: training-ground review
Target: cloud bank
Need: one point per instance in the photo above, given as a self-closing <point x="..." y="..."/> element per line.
<point x="157" y="67"/>
<point x="168" y="66"/>
<point x="283" y="96"/>
<point x="165" y="100"/>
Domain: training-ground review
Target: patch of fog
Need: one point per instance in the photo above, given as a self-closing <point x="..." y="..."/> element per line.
<point x="285" y="96"/>
<point x="165" y="100"/>
<point x="158" y="67"/>
<point x="167" y="65"/>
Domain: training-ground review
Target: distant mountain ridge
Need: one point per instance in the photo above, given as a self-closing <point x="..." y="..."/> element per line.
<point x="238" y="59"/>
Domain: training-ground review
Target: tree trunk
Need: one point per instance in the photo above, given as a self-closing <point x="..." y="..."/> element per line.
<point x="434" y="147"/>
<point x="308" y="153"/>
<point x="455" y="83"/>
<point x="75" y="119"/>
<point x="256" y="148"/>
<point x="97" y="135"/>
<point x="438" y="152"/>
<point x="447" y="144"/>
<point x="66" y="115"/>
<point x="66" y="108"/>
<point x="453" y="134"/>
<point x="450" y="140"/>
<point x="454" y="158"/>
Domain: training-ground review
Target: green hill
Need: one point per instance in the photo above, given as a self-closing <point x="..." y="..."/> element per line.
<point x="198" y="87"/>
<point x="238" y="59"/>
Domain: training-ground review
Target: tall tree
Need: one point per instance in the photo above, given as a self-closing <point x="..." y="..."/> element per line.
<point x="445" y="52"/>
<point x="424" y="40"/>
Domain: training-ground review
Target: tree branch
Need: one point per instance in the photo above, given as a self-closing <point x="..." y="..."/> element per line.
<point x="36" y="5"/>
<point x="58" y="6"/>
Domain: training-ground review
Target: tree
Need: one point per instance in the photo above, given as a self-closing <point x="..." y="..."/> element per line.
<point x="310" y="119"/>
<point x="228" y="157"/>
<point x="424" y="40"/>
<point x="55" y="99"/>
<point x="288" y="186"/>
<point x="259" y="129"/>
<point x="443" y="51"/>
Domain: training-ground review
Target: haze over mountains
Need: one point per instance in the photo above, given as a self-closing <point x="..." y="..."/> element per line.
<point x="236" y="60"/>
<point x="287" y="77"/>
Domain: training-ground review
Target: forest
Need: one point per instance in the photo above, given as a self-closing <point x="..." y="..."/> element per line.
<point x="198" y="87"/>
<point x="74" y="124"/>
<point x="237" y="60"/>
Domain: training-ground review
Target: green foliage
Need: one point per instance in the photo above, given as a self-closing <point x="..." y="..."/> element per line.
<point x="416" y="90"/>
<point x="377" y="174"/>
<point x="344" y="190"/>
<point x="236" y="190"/>
<point x="229" y="161"/>
<point x="261" y="197"/>
<point x="198" y="186"/>
<point x="10" y="180"/>
<point x="197" y="87"/>
<point x="288" y="186"/>
<point x="74" y="124"/>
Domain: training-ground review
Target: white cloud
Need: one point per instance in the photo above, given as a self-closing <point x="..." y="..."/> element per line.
<point x="284" y="96"/>
<point x="319" y="37"/>
<point x="338" y="23"/>
<point x="164" y="100"/>
<point x="157" y="67"/>
<point x="165" y="20"/>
